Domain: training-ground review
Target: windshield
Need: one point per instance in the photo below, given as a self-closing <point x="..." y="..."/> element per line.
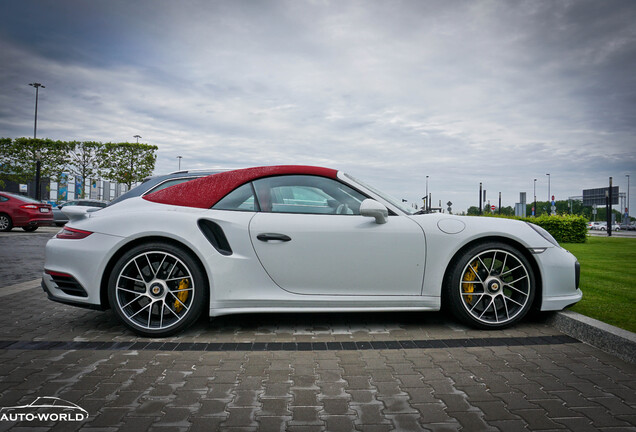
<point x="388" y="198"/>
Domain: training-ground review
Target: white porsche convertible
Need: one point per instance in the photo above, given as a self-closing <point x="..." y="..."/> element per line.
<point x="294" y="239"/>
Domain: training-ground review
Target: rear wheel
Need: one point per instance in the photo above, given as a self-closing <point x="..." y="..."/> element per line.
<point x="157" y="289"/>
<point x="492" y="286"/>
<point x="30" y="228"/>
<point x="6" y="224"/>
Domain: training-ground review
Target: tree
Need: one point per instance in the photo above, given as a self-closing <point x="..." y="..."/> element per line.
<point x="85" y="161"/>
<point x="473" y="211"/>
<point x="19" y="157"/>
<point x="128" y="163"/>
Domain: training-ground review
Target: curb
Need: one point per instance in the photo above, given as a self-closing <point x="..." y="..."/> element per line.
<point x="612" y="340"/>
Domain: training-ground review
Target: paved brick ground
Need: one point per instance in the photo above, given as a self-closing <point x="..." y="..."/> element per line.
<point x="539" y="386"/>
<point x="252" y="372"/>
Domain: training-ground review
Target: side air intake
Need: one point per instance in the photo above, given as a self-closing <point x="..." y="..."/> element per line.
<point x="215" y="235"/>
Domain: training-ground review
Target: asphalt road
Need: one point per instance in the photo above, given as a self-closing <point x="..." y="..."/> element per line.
<point x="297" y="372"/>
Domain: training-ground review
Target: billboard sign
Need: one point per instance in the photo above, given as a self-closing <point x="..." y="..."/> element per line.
<point x="597" y="196"/>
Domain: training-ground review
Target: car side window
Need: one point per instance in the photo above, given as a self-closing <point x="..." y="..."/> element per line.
<point x="240" y="199"/>
<point x="169" y="183"/>
<point x="307" y="195"/>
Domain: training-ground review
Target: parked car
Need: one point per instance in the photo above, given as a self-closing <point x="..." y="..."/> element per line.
<point x="60" y="218"/>
<point x="615" y="227"/>
<point x="22" y="211"/>
<point x="299" y="239"/>
<point x="157" y="182"/>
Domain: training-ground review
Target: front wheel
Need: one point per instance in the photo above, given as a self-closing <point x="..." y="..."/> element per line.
<point x="491" y="286"/>
<point x="157" y="289"/>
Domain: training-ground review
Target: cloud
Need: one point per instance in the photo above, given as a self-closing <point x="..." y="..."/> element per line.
<point x="392" y="91"/>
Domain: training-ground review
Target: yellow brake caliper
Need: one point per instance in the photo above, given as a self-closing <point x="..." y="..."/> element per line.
<point x="470" y="276"/>
<point x="182" y="295"/>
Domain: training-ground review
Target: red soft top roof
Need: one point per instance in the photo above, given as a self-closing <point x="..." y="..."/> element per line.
<point x="207" y="191"/>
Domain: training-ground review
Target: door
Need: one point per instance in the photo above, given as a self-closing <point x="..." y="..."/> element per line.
<point x="311" y="239"/>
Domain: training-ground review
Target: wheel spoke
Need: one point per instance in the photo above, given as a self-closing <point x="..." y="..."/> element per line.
<point x="133" y="279"/>
<point x="514" y="301"/>
<point x="487" y="307"/>
<point x="141" y="275"/>
<point x="506" y="307"/>
<point x="517" y="289"/>
<point x="133" y="315"/>
<point x="127" y="290"/>
<point x="492" y="264"/>
<point x="511" y="270"/>
<point x="132" y="301"/>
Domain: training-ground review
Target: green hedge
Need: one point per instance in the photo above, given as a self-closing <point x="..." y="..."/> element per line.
<point x="564" y="228"/>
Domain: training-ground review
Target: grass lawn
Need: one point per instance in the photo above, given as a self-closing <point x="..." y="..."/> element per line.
<point x="608" y="280"/>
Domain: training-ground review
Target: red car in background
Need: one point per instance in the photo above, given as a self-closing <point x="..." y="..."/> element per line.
<point x="21" y="211"/>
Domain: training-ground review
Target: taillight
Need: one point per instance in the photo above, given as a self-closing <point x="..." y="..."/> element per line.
<point x="72" y="234"/>
<point x="29" y="206"/>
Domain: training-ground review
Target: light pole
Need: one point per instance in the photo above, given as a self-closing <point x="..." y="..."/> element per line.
<point x="137" y="136"/>
<point x="38" y="163"/>
<point x="534" y="205"/>
<point x="628" y="219"/>
<point x="549" y="195"/>
<point x="179" y="157"/>
<point x="37" y="93"/>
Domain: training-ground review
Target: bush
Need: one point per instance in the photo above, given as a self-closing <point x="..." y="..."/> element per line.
<point x="564" y="228"/>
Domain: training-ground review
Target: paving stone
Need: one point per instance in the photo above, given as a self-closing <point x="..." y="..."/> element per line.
<point x="335" y="406"/>
<point x="600" y="417"/>
<point x="370" y="413"/>
<point x="304" y="416"/>
<point x="212" y="407"/>
<point x="240" y="417"/>
<point x="274" y="407"/>
<point x="339" y="423"/>
<point x="276" y="423"/>
<point x="537" y="419"/>
<point x="303" y="397"/>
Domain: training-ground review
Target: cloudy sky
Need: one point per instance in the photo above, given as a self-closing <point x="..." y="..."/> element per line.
<point x="500" y="92"/>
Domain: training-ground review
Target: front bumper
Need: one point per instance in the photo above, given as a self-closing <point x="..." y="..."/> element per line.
<point x="561" y="272"/>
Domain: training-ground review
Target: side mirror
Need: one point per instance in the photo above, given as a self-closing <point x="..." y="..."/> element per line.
<point x="374" y="209"/>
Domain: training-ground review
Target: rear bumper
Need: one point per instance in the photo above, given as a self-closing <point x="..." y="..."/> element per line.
<point x="68" y="301"/>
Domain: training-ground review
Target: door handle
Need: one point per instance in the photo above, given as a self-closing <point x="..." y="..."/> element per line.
<point x="273" y="236"/>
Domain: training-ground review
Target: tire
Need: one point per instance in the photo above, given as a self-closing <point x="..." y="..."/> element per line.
<point x="142" y="287"/>
<point x="491" y="286"/>
<point x="60" y="224"/>
<point x="30" y="228"/>
<point x="6" y="224"/>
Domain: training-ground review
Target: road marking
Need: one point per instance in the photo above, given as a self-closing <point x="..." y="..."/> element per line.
<point x="288" y="346"/>
<point x="23" y="286"/>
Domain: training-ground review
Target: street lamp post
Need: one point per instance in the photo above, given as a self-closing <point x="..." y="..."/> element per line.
<point x="38" y="164"/>
<point x="427" y="203"/>
<point x="137" y="136"/>
<point x="534" y="205"/>
<point x="37" y="93"/>
<point x="628" y="219"/>
<point x="179" y="157"/>
<point x="549" y="195"/>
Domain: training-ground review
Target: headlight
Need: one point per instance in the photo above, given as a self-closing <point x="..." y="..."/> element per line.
<point x="543" y="233"/>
